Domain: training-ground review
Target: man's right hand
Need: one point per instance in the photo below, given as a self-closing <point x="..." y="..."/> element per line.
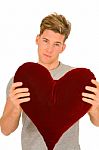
<point x="18" y="95"/>
<point x="12" y="111"/>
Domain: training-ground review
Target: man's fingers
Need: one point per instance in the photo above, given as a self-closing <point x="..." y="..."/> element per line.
<point x="92" y="96"/>
<point x="88" y="100"/>
<point x="91" y="89"/>
<point x="21" y="95"/>
<point x="15" y="85"/>
<point x="20" y="90"/>
<point x="95" y="82"/>
<point x="24" y="100"/>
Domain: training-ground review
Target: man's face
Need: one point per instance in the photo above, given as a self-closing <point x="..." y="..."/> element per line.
<point x="50" y="45"/>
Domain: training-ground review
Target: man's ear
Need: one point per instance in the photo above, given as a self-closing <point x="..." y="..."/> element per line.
<point x="37" y="39"/>
<point x="63" y="48"/>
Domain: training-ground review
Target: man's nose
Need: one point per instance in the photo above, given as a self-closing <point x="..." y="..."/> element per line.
<point x="50" y="48"/>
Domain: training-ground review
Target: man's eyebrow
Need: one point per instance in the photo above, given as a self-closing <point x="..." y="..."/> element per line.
<point x="44" y="38"/>
<point x="57" y="42"/>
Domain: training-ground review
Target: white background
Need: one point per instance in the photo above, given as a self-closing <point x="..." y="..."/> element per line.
<point x="19" y="24"/>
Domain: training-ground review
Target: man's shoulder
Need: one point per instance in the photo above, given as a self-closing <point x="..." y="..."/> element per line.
<point x="9" y="84"/>
<point x="11" y="81"/>
<point x="67" y="67"/>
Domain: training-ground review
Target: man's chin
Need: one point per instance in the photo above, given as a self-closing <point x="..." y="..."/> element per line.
<point x="45" y="61"/>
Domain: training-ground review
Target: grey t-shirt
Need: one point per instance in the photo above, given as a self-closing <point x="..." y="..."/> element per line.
<point x="31" y="137"/>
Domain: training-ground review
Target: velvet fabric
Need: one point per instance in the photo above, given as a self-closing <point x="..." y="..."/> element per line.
<point x="55" y="105"/>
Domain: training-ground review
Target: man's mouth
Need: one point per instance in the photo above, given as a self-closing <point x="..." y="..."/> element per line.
<point x="47" y="55"/>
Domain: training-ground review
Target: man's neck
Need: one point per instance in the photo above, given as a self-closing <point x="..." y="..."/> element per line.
<point x="50" y="66"/>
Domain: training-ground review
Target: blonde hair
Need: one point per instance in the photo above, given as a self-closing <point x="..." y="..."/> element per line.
<point x="56" y="23"/>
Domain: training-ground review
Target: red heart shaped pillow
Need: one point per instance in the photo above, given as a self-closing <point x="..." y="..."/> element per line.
<point x="55" y="105"/>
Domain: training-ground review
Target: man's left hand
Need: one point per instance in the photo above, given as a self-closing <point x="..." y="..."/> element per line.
<point x="93" y="99"/>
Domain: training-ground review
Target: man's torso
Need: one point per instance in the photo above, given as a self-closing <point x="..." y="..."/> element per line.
<point x="31" y="137"/>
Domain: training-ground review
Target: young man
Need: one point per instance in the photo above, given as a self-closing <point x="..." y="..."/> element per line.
<point x="54" y="30"/>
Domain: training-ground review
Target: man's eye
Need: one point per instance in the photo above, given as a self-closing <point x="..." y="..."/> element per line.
<point x="57" y="44"/>
<point x="45" y="41"/>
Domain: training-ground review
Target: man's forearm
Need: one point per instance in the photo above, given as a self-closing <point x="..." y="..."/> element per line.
<point x="9" y="122"/>
<point x="94" y="117"/>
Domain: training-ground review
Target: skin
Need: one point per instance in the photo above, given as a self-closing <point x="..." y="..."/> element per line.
<point x="50" y="46"/>
<point x="94" y="111"/>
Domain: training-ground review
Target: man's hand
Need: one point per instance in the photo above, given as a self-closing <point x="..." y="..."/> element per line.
<point x="18" y="95"/>
<point x="12" y="111"/>
<point x="94" y="100"/>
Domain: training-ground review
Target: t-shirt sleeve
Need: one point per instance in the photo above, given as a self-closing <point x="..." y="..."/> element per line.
<point x="8" y="86"/>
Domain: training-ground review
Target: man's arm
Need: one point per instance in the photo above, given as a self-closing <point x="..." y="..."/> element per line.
<point x="12" y="111"/>
<point x="94" y="110"/>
